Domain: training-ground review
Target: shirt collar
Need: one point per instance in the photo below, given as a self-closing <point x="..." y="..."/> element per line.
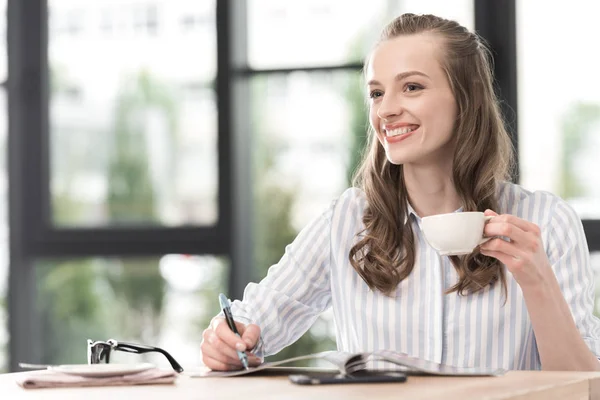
<point x="411" y="211"/>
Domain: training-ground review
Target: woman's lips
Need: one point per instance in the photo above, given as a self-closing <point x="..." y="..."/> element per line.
<point x="400" y="137"/>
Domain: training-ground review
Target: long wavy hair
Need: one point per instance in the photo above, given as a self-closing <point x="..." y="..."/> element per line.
<point x="384" y="254"/>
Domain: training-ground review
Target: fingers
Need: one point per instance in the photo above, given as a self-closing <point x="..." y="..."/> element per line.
<point x="219" y="357"/>
<point x="215" y="348"/>
<point x="250" y="335"/>
<point x="522" y="224"/>
<point x="229" y="338"/>
<point x="524" y="236"/>
<point x="496" y="227"/>
<point x="506" y="252"/>
<point x="219" y="345"/>
<point x="254" y="361"/>
<point x="217" y="365"/>
<point x="514" y="265"/>
<point x="216" y="359"/>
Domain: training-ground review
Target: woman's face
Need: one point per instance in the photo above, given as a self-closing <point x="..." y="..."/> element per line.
<point x="412" y="108"/>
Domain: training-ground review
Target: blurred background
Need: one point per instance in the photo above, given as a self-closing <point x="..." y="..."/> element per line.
<point x="156" y="153"/>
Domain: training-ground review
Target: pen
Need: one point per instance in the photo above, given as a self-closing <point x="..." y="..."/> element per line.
<point x="226" y="307"/>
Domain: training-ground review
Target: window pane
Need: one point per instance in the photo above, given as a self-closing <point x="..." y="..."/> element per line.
<point x="559" y="102"/>
<point x="4" y="250"/>
<point x="133" y="115"/>
<point x="324" y="32"/>
<point x="462" y="11"/>
<point x="595" y="256"/>
<point x="301" y="164"/>
<point x="165" y="302"/>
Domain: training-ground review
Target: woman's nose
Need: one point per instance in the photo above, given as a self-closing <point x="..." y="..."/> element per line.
<point x="389" y="107"/>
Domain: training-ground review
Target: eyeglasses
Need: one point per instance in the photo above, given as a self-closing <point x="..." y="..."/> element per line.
<point x="99" y="352"/>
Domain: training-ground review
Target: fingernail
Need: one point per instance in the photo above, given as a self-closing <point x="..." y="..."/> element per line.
<point x="240" y="346"/>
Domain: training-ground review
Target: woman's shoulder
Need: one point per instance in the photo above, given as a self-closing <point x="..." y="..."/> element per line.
<point x="353" y="197"/>
<point x="353" y="194"/>
<point x="533" y="205"/>
<point x="352" y="202"/>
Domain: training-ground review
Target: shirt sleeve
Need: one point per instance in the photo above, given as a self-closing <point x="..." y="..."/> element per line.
<point x="295" y="291"/>
<point x="570" y="258"/>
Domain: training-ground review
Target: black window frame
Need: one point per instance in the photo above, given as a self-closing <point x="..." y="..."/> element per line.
<point x="31" y="233"/>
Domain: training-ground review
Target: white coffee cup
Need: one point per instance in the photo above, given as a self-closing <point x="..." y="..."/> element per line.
<point x="456" y="233"/>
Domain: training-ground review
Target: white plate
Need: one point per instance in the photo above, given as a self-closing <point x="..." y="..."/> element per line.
<point x="102" y="370"/>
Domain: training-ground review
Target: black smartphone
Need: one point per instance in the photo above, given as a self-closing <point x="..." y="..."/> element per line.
<point x="327" y="378"/>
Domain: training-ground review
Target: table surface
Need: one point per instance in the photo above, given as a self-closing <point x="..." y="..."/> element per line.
<point x="522" y="385"/>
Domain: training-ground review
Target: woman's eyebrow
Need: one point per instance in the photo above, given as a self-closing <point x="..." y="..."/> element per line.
<point x="399" y="77"/>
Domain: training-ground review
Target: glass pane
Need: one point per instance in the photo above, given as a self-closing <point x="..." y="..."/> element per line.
<point x="595" y="256"/>
<point x="165" y="302"/>
<point x="4" y="250"/>
<point x="559" y="102"/>
<point x="132" y="113"/>
<point x="324" y="32"/>
<point x="301" y="163"/>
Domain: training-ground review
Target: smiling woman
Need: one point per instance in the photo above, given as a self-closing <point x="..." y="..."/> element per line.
<point x="437" y="145"/>
<point x="423" y="119"/>
<point x="408" y="88"/>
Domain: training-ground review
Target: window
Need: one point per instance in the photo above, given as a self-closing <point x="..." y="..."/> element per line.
<point x="595" y="258"/>
<point x="127" y="146"/>
<point x="4" y="245"/>
<point x="122" y="173"/>
<point x="316" y="32"/>
<point x="160" y="301"/>
<point x="145" y="19"/>
<point x="559" y="104"/>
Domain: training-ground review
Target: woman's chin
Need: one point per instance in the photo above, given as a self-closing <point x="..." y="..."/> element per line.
<point x="398" y="159"/>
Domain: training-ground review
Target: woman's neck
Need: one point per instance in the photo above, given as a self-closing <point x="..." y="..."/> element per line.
<point x="431" y="190"/>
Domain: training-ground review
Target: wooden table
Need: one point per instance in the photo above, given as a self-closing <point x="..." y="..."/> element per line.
<point x="522" y="385"/>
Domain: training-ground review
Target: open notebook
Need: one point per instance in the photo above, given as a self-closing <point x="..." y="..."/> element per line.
<point x="349" y="363"/>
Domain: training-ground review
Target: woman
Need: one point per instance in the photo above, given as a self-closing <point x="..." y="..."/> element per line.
<point x="522" y="300"/>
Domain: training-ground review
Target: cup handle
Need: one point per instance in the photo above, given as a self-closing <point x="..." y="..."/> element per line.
<point x="485" y="239"/>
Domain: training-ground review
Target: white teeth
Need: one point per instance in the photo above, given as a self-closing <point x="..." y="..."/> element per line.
<point x="400" y="131"/>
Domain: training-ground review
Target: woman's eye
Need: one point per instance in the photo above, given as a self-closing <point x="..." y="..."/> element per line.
<point x="411" y="87"/>
<point x="375" y="93"/>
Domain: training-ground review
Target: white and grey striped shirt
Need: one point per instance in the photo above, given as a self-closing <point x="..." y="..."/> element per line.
<point x="476" y="330"/>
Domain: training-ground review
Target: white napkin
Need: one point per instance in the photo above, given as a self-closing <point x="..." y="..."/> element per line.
<point x="53" y="379"/>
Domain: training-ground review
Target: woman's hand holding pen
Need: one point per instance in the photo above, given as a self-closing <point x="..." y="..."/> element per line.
<point x="219" y="345"/>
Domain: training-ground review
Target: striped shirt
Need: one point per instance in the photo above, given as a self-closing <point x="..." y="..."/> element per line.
<point x="475" y="330"/>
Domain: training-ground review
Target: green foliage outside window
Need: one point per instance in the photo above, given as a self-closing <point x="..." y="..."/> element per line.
<point x="81" y="299"/>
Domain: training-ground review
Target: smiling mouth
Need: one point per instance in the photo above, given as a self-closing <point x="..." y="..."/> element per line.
<point x="400" y="131"/>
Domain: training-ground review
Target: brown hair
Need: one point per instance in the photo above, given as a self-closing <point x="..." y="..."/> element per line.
<point x="384" y="254"/>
